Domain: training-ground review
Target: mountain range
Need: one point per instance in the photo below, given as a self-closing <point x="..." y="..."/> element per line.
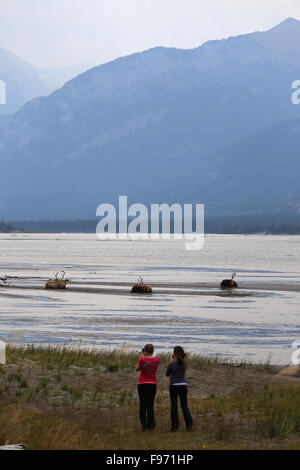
<point x="214" y="124"/>
<point x="23" y="82"/>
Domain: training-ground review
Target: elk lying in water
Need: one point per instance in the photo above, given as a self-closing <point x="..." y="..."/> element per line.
<point x="141" y="288"/>
<point x="58" y="282"/>
<point x="229" y="283"/>
<point x="4" y="281"/>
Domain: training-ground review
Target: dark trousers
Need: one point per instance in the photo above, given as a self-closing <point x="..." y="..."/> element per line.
<point x="180" y="390"/>
<point x="147" y="394"/>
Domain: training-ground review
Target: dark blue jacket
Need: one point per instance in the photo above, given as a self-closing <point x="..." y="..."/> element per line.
<point x="176" y="373"/>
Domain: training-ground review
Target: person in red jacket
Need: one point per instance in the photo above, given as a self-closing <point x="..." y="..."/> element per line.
<point x="147" y="365"/>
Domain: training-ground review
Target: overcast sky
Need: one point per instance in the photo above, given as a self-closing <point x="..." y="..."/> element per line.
<point x="65" y="32"/>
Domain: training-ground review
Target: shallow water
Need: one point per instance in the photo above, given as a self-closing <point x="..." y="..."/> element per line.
<point x="258" y="320"/>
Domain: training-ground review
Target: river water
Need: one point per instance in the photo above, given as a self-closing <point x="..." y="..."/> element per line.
<point x="255" y="322"/>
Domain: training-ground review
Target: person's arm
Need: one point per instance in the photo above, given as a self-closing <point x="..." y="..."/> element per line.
<point x="168" y="372"/>
<point x="138" y="367"/>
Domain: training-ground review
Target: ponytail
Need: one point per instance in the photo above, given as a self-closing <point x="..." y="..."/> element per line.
<point x="179" y="355"/>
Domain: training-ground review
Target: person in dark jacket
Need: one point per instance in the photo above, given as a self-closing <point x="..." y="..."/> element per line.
<point x="176" y="371"/>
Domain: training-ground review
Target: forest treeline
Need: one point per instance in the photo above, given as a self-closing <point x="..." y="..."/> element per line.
<point x="6" y="227"/>
<point x="229" y="224"/>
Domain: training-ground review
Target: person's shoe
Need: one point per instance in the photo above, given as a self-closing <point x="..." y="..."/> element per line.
<point x="189" y="428"/>
<point x="144" y="428"/>
<point x="173" y="429"/>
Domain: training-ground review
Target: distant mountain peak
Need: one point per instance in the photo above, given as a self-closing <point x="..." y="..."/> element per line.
<point x="23" y="82"/>
<point x="282" y="41"/>
<point x="290" y="20"/>
<point x="287" y="24"/>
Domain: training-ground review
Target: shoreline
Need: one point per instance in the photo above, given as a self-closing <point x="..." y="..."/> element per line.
<point x="193" y="356"/>
<point x="63" y="399"/>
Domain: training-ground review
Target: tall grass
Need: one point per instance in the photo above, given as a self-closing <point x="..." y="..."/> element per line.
<point x="62" y="357"/>
<point x="63" y="398"/>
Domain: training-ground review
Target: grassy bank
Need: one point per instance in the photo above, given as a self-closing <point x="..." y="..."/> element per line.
<point x="72" y="399"/>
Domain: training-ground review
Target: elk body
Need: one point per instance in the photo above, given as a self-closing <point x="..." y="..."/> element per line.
<point x="141" y="288"/>
<point x="58" y="282"/>
<point x="229" y="283"/>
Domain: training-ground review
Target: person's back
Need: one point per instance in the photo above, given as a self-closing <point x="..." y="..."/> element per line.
<point x="176" y="373"/>
<point x="148" y="367"/>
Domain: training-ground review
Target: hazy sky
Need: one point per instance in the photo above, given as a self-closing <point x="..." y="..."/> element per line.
<point x="64" y="32"/>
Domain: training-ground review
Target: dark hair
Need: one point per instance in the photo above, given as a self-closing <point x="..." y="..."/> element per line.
<point x="179" y="355"/>
<point x="149" y="348"/>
